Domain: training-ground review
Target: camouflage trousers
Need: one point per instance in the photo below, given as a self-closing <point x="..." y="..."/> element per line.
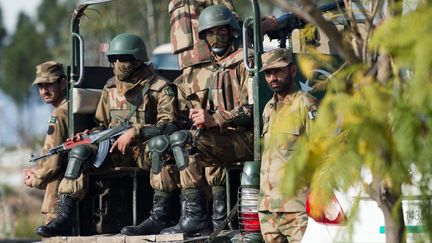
<point x="224" y="148"/>
<point x="286" y="227"/>
<point x="77" y="188"/>
<point x="216" y="149"/>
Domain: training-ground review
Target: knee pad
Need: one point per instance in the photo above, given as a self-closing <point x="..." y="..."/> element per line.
<point x="77" y="156"/>
<point x="178" y="141"/>
<point x="157" y="147"/>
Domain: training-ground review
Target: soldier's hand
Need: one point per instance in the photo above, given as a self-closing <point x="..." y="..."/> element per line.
<point x="202" y="117"/>
<point x="28" y="177"/>
<point x="269" y="24"/>
<point x="122" y="143"/>
<point x="78" y="136"/>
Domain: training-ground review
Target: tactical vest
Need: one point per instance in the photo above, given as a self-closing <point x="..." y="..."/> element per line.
<point x="229" y="86"/>
<point x="146" y="112"/>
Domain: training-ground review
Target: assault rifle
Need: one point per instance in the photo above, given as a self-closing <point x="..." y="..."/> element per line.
<point x="102" y="138"/>
<point x="288" y="22"/>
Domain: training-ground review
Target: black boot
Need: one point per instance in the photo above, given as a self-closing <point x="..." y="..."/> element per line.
<point x="64" y="224"/>
<point x="160" y="216"/>
<point x="193" y="220"/>
<point x="219" y="206"/>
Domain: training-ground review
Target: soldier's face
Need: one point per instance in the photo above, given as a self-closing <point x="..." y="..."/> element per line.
<point x="219" y="39"/>
<point x="280" y="79"/>
<point x="52" y="93"/>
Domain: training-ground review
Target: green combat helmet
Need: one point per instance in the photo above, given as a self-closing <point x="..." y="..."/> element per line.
<point x="128" y="44"/>
<point x="217" y="15"/>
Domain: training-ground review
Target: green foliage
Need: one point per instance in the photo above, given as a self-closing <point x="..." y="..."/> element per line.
<point x="26" y="49"/>
<point x="54" y="18"/>
<point x="2" y="29"/>
<point x="381" y="127"/>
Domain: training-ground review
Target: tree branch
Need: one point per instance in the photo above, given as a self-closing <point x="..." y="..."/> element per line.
<point x="311" y="13"/>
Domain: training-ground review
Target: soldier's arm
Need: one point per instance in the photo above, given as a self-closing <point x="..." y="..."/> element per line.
<point x="308" y="112"/>
<point x="166" y="112"/>
<point x="167" y="105"/>
<point x="56" y="134"/>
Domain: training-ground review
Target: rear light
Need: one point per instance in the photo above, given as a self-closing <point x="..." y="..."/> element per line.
<point x="331" y="214"/>
<point x="248" y="210"/>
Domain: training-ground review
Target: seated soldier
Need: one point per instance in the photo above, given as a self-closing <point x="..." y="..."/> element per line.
<point x="51" y="82"/>
<point x="224" y="119"/>
<point x="138" y="97"/>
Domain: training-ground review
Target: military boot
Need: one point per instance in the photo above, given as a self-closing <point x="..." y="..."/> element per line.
<point x="219" y="212"/>
<point x="65" y="222"/>
<point x="193" y="219"/>
<point x="160" y="216"/>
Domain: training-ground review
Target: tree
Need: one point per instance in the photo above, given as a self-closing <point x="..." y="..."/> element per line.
<point x="26" y="49"/>
<point x="2" y="37"/>
<point x="377" y="112"/>
<point x="2" y="29"/>
<point x="53" y="16"/>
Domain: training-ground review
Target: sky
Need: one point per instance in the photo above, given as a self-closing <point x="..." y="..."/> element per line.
<point x="11" y="9"/>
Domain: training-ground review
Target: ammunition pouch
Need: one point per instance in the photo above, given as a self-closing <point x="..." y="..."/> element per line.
<point x="178" y="141"/>
<point x="77" y="156"/>
<point x="157" y="147"/>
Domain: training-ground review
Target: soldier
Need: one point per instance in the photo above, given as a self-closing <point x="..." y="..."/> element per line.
<point x="194" y="59"/>
<point x="217" y="98"/>
<point x="51" y="82"/>
<point x="287" y="117"/>
<point x="142" y="98"/>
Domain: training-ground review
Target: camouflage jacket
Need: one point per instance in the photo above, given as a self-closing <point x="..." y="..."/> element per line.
<point x="222" y="87"/>
<point x="57" y="133"/>
<point x="157" y="107"/>
<point x="285" y="122"/>
<point x="184" y="30"/>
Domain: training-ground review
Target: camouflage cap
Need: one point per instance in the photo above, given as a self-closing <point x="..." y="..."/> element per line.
<point x="276" y="58"/>
<point x="48" y="72"/>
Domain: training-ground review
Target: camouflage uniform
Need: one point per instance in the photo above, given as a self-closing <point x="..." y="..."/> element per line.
<point x="157" y="107"/>
<point x="228" y="97"/>
<point x="285" y="122"/>
<point x="193" y="55"/>
<point x="49" y="172"/>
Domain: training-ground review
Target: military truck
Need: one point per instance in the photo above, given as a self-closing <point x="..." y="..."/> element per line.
<point x="123" y="196"/>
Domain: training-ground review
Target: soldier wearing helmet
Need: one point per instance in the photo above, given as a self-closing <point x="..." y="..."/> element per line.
<point x="142" y="98"/>
<point x="51" y="82"/>
<point x="221" y="111"/>
<point x="287" y="117"/>
<point x="194" y="59"/>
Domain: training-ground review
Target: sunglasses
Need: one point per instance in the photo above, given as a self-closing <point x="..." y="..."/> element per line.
<point x="120" y="58"/>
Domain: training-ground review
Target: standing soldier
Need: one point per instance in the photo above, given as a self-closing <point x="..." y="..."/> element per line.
<point x="220" y="107"/>
<point x="140" y="97"/>
<point x="51" y="82"/>
<point x="287" y="117"/>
